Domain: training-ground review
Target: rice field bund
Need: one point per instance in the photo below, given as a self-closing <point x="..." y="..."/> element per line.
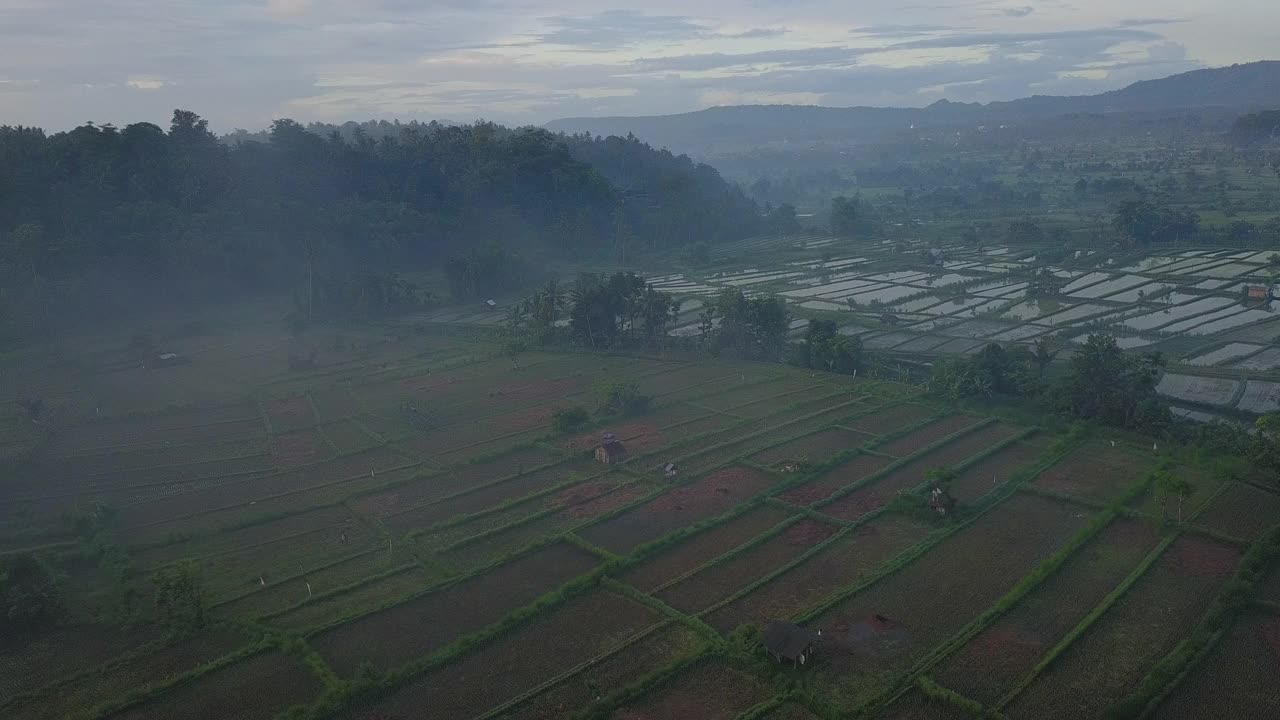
<point x="399" y="532"/>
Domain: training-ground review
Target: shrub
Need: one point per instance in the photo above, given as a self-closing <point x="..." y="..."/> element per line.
<point x="620" y="397"/>
<point x="180" y="597"/>
<point x="30" y="594"/>
<point x="566" y="420"/>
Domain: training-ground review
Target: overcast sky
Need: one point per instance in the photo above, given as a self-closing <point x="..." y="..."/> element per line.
<point x="242" y="63"/>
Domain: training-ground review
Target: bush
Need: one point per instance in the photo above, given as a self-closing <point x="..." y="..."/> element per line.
<point x="566" y="420"/>
<point x="620" y="397"/>
<point x="180" y="597"/>
<point x="30" y="594"/>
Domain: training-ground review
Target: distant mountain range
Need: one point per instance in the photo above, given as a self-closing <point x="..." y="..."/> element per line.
<point x="1237" y="88"/>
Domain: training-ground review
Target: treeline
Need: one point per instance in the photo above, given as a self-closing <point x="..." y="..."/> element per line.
<point x="1256" y="128"/>
<point x="100" y="213"/>
<point x="1102" y="384"/>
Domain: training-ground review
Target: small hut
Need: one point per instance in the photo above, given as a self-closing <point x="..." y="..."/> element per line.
<point x="888" y="319"/>
<point x="669" y="470"/>
<point x="168" y="359"/>
<point x="1259" y="292"/>
<point x="787" y="641"/>
<point x="610" y="451"/>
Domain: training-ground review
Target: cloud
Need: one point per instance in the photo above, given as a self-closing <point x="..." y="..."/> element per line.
<point x="146" y="82"/>
<point x="898" y="31"/>
<point x="756" y="33"/>
<point x="618" y="28"/>
<point x="246" y="61"/>
<point x="287" y="9"/>
<point x="1016" y="12"/>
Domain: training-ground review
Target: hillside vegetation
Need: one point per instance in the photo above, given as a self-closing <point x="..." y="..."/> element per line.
<point x="139" y="213"/>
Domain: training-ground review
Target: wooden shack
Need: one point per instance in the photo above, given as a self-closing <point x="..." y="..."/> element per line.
<point x="610" y="451"/>
<point x="789" y="642"/>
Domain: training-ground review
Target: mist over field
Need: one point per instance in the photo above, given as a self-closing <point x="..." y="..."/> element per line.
<point x="745" y="361"/>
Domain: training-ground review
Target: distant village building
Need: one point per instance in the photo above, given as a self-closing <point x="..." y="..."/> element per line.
<point x="610" y="451"/>
<point x="789" y="642"/>
<point x="168" y="359"/>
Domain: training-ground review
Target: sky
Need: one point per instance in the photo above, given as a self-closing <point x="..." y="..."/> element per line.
<point x="243" y="63"/>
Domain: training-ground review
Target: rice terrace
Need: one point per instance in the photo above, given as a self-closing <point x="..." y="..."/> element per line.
<point x="968" y="408"/>
<point x="404" y="531"/>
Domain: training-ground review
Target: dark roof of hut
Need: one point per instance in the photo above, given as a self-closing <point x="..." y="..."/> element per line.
<point x="787" y="640"/>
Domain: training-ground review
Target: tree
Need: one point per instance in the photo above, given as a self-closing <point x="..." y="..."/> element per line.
<point x="566" y="420"/>
<point x="1145" y="223"/>
<point x="180" y="597"/>
<point x="1170" y="484"/>
<point x="620" y="397"/>
<point x="782" y="220"/>
<point x="30" y="594"/>
<point x="824" y="348"/>
<point x="1110" y="386"/>
<point x="1043" y="351"/>
<point x="754" y="328"/>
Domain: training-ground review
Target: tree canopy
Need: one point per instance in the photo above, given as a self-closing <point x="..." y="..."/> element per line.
<point x="102" y="212"/>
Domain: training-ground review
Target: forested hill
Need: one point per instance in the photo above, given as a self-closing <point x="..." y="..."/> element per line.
<point x="92" y="213"/>
<point x="1219" y="93"/>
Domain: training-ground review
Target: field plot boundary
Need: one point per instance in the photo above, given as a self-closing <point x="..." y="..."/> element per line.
<point x="633" y="482"/>
<point x="155" y="691"/>
<point x="398" y="677"/>
<point x="1227" y="608"/>
<point x="987" y="503"/>
<point x="803" y="557"/>
<point x="676" y="665"/>
<point x="1024" y="587"/>
<point x="434" y="587"/>
<point x="729" y="554"/>
<point x="252" y="639"/>
<point x="920" y="454"/>
<point x="462" y="519"/>
<point x="1098" y="611"/>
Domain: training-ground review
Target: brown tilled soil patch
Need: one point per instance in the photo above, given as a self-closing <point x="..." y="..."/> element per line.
<point x="293" y="410"/>
<point x="298" y="448"/>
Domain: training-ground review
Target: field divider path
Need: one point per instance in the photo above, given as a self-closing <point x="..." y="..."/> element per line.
<point x="465" y="644"/>
<point x="462" y="519"/>
<point x="145" y="693"/>
<point x="246" y="522"/>
<point x="774" y="574"/>
<point x="1234" y="598"/>
<point x="93" y="450"/>
<point x="1105" y="604"/>
<point x="578" y="669"/>
<point x="1083" y="626"/>
<point x="934" y="690"/>
<point x="1025" y="586"/>
<point x="161" y="483"/>
<point x="989" y="502"/>
<point x="252" y="636"/>
<point x="729" y="410"/>
<point x="902" y="462"/>
<point x="413" y="564"/>
<point x="484" y="534"/>
<point x="576" y="540"/>
<point x="733" y="552"/>
<point x="735" y="440"/>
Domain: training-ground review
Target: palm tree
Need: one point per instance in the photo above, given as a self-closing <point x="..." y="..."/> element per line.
<point x="553" y="295"/>
<point x="1043" y="351"/>
<point x="517" y="316"/>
